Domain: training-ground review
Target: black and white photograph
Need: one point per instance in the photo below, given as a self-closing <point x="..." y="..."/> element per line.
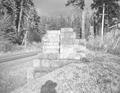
<point x="59" y="46"/>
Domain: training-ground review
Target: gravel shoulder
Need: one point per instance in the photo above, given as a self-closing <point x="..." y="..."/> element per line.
<point x="100" y="75"/>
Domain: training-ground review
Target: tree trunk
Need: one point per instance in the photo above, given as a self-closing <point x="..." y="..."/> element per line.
<point x="103" y="19"/>
<point x="83" y="24"/>
<point x="25" y="41"/>
<point x="20" y="17"/>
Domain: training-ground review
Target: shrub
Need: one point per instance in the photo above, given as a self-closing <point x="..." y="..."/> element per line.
<point x="94" y="43"/>
<point x="5" y="46"/>
<point x="112" y="42"/>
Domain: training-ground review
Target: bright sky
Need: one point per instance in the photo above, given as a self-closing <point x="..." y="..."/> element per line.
<point x="51" y="7"/>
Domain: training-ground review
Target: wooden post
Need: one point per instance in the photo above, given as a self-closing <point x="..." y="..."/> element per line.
<point x="102" y="30"/>
<point x="26" y="39"/>
<point x="24" y="42"/>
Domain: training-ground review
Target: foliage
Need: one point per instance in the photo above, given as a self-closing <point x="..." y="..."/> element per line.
<point x="112" y="41"/>
<point x="56" y="23"/>
<point x="112" y="9"/>
<point x="112" y="12"/>
<point x="76" y="3"/>
<point x="11" y="21"/>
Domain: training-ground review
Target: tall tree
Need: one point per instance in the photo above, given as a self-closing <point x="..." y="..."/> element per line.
<point x="20" y="15"/>
<point x="107" y="10"/>
<point x="15" y="14"/>
<point x="23" y="6"/>
<point x="79" y="4"/>
<point x="7" y="18"/>
<point x="112" y="9"/>
<point x="76" y="3"/>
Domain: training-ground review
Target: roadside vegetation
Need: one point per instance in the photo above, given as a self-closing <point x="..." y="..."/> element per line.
<point x="21" y="27"/>
<point x="105" y="20"/>
<point x="17" y="19"/>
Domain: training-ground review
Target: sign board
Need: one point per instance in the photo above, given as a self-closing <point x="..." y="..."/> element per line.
<point x="51" y="41"/>
<point x="61" y="42"/>
<point x="67" y="43"/>
<point x="66" y="30"/>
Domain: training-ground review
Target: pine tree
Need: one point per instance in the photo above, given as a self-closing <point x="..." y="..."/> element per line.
<point x="107" y="10"/>
<point x="80" y="4"/>
<point x="76" y="3"/>
<point x="112" y="9"/>
<point x="15" y="15"/>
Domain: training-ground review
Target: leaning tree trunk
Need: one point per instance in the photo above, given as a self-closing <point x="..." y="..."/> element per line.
<point x="20" y="17"/>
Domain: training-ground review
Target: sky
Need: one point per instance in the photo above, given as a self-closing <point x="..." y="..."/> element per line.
<point x="55" y="7"/>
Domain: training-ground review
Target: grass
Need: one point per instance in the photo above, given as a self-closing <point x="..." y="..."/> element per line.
<point x="97" y="75"/>
<point x="79" y="78"/>
<point x="15" y="49"/>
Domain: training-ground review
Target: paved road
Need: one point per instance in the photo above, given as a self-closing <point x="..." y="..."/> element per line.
<point x="9" y="57"/>
<point x="14" y="71"/>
